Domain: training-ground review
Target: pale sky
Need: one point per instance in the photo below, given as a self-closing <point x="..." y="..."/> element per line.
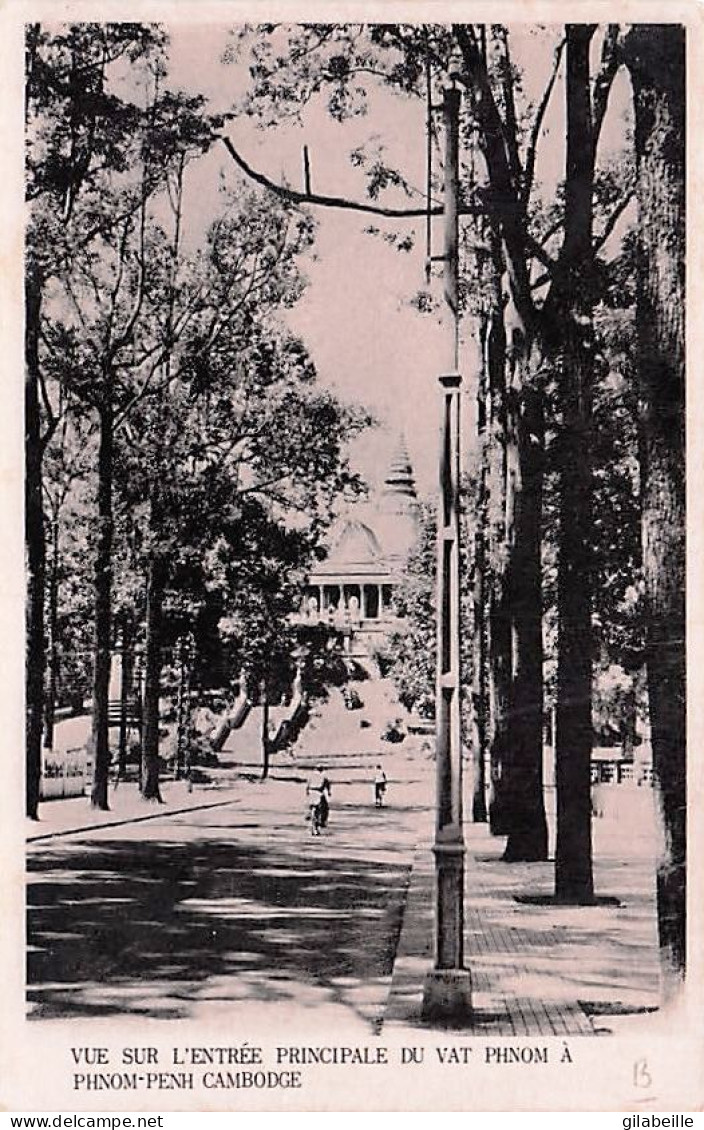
<point x="367" y="342"/>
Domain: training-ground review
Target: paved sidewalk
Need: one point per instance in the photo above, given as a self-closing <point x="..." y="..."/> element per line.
<point x="538" y="968"/>
<point x="65" y="817"/>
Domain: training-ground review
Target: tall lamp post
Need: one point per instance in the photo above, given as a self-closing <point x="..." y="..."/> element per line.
<point x="448" y="986"/>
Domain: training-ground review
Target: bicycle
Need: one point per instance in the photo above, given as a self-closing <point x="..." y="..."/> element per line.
<point x="316" y="817"/>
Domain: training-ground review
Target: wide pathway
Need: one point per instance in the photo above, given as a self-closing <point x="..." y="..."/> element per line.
<point x="221" y="900"/>
<point x="195" y="913"/>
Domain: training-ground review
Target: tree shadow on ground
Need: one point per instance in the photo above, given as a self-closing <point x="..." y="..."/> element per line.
<point x="552" y="900"/>
<point x="539" y="967"/>
<point x="159" y="928"/>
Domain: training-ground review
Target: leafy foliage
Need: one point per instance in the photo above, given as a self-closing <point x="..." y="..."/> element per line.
<point x="226" y="457"/>
<point x="412" y="652"/>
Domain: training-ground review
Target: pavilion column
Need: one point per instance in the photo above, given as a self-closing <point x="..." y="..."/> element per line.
<point x="363" y="601"/>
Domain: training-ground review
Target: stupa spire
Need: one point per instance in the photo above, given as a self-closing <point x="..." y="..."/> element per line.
<point x="400" y="482"/>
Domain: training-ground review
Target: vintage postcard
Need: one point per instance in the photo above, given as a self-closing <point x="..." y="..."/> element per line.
<point x="351" y="557"/>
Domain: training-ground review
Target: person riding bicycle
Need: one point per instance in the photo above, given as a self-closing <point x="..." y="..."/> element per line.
<point x="318" y="790"/>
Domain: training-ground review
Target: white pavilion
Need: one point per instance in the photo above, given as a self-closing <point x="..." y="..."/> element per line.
<point x="354" y="586"/>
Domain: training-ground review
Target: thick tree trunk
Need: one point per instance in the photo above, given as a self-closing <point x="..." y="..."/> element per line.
<point x="103" y="593"/>
<point x="152" y="682"/>
<point x="35" y="548"/>
<point x="527" y="831"/>
<point x="498" y="613"/>
<point x="514" y="514"/>
<point x="573" y="740"/>
<point x="656" y="60"/>
<point x="574" y="881"/>
<point x="52" y="649"/>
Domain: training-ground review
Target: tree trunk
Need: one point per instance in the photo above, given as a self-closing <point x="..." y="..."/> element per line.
<point x="479" y="653"/>
<point x="266" y="749"/>
<point x="35" y="548"/>
<point x="656" y="59"/>
<point x="527" y="831"/>
<point x="183" y="708"/>
<point x="499" y="690"/>
<point x="50" y="697"/>
<point x="126" y="697"/>
<point x="574" y="881"/>
<point x="573" y="739"/>
<point x="181" y="725"/>
<point x="499" y="626"/>
<point x="479" y="619"/>
<point x="103" y="592"/>
<point x="152" y="681"/>
<point x="516" y="471"/>
<point x="630" y="719"/>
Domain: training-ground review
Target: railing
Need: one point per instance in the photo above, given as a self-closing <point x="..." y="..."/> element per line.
<point x="132" y="713"/>
<point x="340" y="620"/>
<point x="64" y="774"/>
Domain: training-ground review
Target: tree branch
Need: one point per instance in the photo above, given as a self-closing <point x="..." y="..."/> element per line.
<point x="52" y="416"/>
<point x="613" y="219"/>
<point x="125" y="335"/>
<point x="124" y="412"/>
<point x="577" y="251"/>
<point x="115" y="290"/>
<point x="551" y="231"/>
<point x="512" y="217"/>
<point x="538" y="122"/>
<point x="536" y="250"/>
<point x="89" y="279"/>
<point x="541" y="280"/>
<point x="610" y="63"/>
<point x="263" y="486"/>
<point x="510" y="130"/>
<point x="74" y="300"/>
<point x="296" y="197"/>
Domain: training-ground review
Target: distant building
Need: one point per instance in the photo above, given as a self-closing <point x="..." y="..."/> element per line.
<point x="609" y="765"/>
<point x="354" y="586"/>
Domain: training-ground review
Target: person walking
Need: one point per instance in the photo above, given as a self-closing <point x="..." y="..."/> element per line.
<point x="379" y="786"/>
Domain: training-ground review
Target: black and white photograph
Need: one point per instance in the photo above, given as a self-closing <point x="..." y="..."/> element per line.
<point x="353" y="580"/>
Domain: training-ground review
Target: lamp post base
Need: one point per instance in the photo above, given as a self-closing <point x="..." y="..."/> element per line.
<point x="447" y="995"/>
